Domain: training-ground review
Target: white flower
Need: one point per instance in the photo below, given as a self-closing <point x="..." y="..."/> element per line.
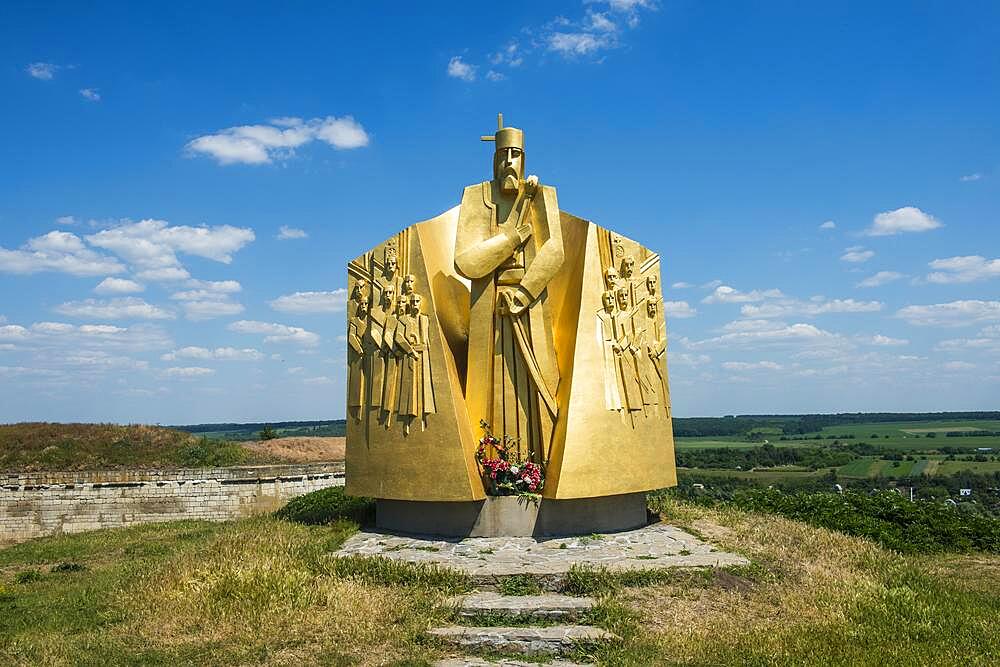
<point x="514" y="470"/>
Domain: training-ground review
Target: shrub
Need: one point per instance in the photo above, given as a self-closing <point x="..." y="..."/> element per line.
<point x="67" y="567"/>
<point x="327" y="506"/>
<point x="885" y="517"/>
<point x="206" y="453"/>
<point x="268" y="433"/>
<point x="27" y="577"/>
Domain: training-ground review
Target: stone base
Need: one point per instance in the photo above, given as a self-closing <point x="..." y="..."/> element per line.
<point x="510" y="516"/>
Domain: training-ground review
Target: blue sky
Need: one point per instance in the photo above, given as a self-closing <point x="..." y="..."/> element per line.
<point x="823" y="184"/>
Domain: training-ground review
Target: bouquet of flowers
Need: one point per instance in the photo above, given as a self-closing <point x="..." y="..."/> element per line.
<point x="505" y="473"/>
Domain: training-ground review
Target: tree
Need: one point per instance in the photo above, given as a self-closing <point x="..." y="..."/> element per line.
<point x="268" y="433"/>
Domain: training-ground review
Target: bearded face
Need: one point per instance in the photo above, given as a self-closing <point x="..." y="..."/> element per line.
<point x="608" y="300"/>
<point x="610" y="277"/>
<point x="401" y="306"/>
<point x="388" y="295"/>
<point x="408" y="283"/>
<point x="508" y="169"/>
<point x="415" y="304"/>
<point x="391" y="264"/>
<point x="363" y="302"/>
<point x="623" y="298"/>
<point x="628" y="265"/>
<point x="651" y="308"/>
<point x="360" y="286"/>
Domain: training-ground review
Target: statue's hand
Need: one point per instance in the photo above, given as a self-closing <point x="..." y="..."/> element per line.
<point x="512" y="301"/>
<point x="531" y="186"/>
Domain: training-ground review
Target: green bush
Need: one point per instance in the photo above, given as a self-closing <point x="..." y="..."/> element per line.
<point x="206" y="453"/>
<point x="885" y="517"/>
<point x="327" y="506"/>
<point x="27" y="577"/>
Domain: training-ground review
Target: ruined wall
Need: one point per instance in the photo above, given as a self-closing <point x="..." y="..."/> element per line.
<point x="38" y="504"/>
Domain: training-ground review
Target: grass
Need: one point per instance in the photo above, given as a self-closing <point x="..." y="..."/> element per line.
<point x="266" y="591"/>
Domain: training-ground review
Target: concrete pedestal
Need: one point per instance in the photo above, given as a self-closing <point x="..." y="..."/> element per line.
<point x="510" y="516"/>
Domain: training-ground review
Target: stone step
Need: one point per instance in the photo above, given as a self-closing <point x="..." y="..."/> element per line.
<point x="479" y="662"/>
<point x="558" y="639"/>
<point x="522" y="607"/>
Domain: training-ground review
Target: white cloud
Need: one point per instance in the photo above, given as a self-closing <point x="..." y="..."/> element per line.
<point x="459" y="69"/>
<point x="968" y="178"/>
<point x="170" y="274"/>
<point x="188" y="372"/>
<point x="681" y="285"/>
<point x="152" y="245"/>
<point x="751" y="365"/>
<point x="969" y="345"/>
<point x="493" y="75"/>
<point x="816" y="306"/>
<point x="829" y="224"/>
<point x="678" y="309"/>
<point x="285" y="233"/>
<point x="510" y="55"/>
<point x="958" y="366"/>
<point x="711" y="284"/>
<point x="218" y="354"/>
<point x="901" y="220"/>
<point x="317" y="380"/>
<point x="574" y="44"/>
<point x="15" y="332"/>
<point x="311" y="302"/>
<point x="727" y="294"/>
<point x="57" y="251"/>
<point x="964" y="269"/>
<point x="67" y="220"/>
<point x="118" y="286"/>
<point x="260" y="144"/>
<point x="276" y="333"/>
<point x="207" y="310"/>
<point x="880" y="278"/>
<point x="43" y="71"/>
<point x="952" y="314"/>
<point x="599" y="22"/>
<point x="114" y="309"/>
<point x="90" y="94"/>
<point x="857" y="254"/>
<point x="216" y="286"/>
<point x="886" y="341"/>
<point x="778" y="334"/>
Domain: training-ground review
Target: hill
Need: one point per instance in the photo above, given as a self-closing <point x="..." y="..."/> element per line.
<point x="39" y="446"/>
<point x="264" y="591"/>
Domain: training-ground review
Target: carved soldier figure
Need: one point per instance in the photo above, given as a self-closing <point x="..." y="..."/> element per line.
<point x="374" y="343"/>
<point x="509" y="244"/>
<point x="393" y="360"/>
<point x="357" y="327"/>
<point x="608" y="339"/>
<point x="656" y="349"/>
<point x="627" y="353"/>
<point x="416" y="397"/>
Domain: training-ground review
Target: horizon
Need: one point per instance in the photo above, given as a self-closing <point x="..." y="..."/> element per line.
<point x="175" y="225"/>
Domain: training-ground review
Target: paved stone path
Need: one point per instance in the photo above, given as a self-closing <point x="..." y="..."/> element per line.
<point x="479" y="662"/>
<point x="649" y="548"/>
<point x="557" y="639"/>
<point x="547" y="606"/>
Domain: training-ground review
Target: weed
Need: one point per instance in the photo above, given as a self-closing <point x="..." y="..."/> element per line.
<point x="28" y="577"/>
<point x="519" y="584"/>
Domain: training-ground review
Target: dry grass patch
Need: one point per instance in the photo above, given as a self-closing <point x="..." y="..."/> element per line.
<point x="259" y="592"/>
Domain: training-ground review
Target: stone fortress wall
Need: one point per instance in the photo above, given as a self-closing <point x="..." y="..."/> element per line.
<point x="38" y="504"/>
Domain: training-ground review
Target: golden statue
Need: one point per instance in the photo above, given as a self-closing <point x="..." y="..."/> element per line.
<point x="487" y="313"/>
<point x="509" y="244"/>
